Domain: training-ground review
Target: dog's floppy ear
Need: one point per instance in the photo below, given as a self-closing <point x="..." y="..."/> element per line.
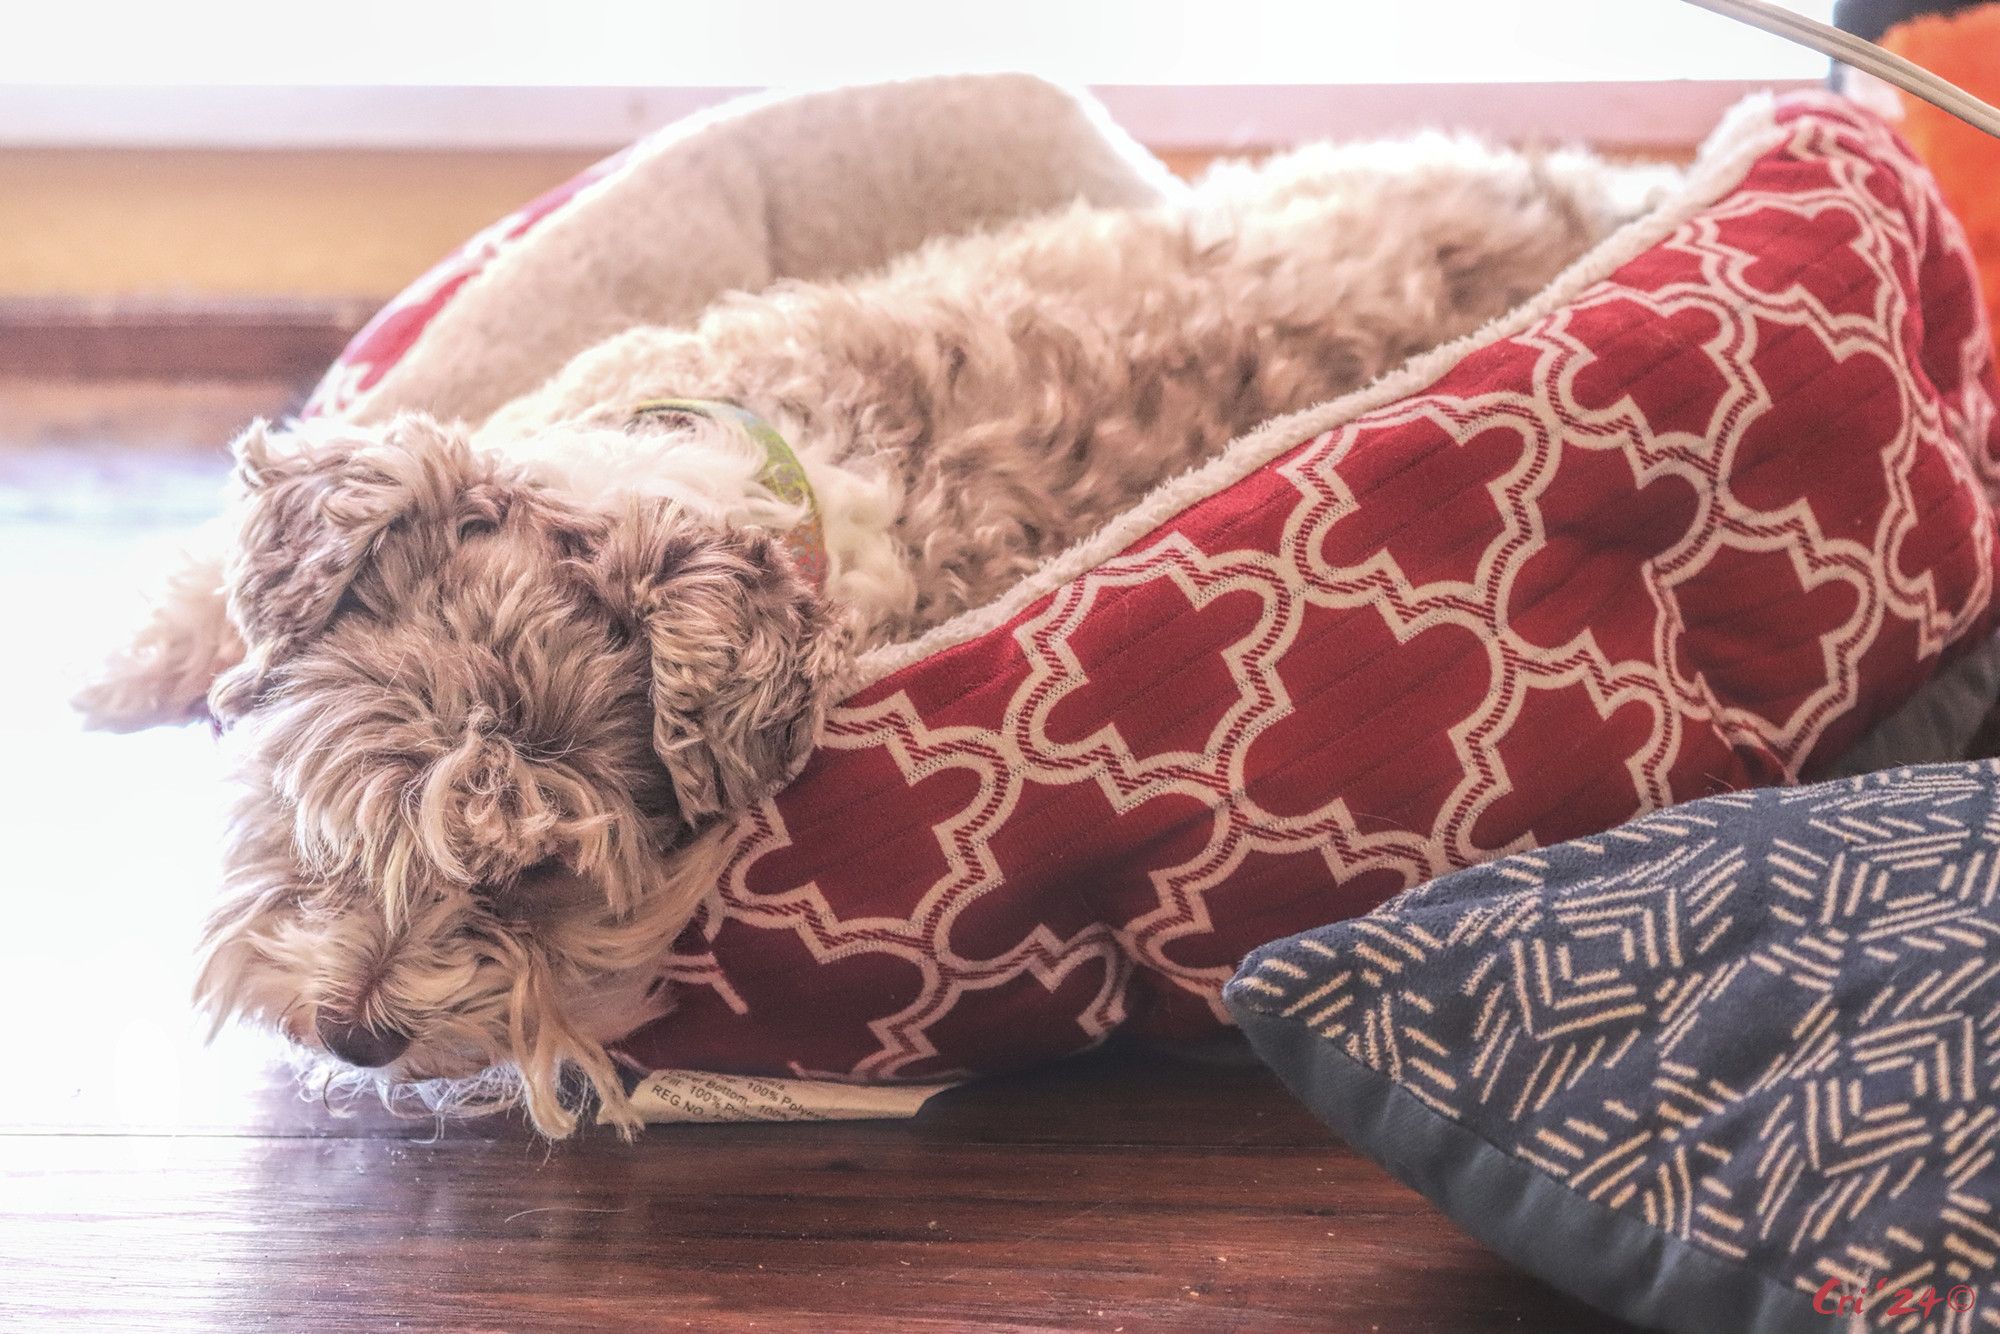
<point x="314" y="505"/>
<point x="744" y="653"/>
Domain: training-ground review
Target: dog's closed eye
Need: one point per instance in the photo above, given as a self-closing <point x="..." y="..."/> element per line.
<point x="546" y="887"/>
<point x="542" y="874"/>
<point x="482" y="510"/>
<point x="350" y="601"/>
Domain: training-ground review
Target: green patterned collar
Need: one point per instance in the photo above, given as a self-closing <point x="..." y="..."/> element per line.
<point x="783" y="474"/>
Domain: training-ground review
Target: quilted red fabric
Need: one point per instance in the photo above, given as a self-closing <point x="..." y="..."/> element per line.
<point x="1704" y="522"/>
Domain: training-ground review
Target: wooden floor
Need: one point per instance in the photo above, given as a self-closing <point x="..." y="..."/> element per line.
<point x="149" y="1181"/>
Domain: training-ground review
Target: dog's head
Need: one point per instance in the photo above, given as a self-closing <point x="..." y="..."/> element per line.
<point x="478" y="717"/>
<point x="469" y="1000"/>
<point x="459" y="668"/>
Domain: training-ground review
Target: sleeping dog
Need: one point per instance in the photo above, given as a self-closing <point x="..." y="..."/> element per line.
<point x="488" y="686"/>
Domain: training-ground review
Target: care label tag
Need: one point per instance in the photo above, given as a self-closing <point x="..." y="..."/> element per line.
<point x="695" y="1095"/>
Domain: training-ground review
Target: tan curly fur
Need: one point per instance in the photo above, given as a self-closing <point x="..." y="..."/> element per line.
<point x="488" y="688"/>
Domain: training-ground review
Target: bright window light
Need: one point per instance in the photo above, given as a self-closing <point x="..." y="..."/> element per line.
<point x="752" y="43"/>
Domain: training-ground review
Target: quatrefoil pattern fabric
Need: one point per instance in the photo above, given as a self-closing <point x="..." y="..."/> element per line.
<point x="1765" y="1026"/>
<point x="1693" y="521"/>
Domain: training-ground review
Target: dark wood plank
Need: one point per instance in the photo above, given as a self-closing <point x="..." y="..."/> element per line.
<point x="49" y="429"/>
<point x="149" y="1181"/>
<point x="1252" y="1217"/>
<point x="212" y="337"/>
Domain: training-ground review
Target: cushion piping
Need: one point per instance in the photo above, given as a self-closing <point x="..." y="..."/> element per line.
<point x="1614" y="1261"/>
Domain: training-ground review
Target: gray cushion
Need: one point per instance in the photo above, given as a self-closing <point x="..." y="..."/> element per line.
<point x="1704" y="1070"/>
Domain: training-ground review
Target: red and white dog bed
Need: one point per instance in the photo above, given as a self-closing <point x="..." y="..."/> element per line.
<point x="1692" y="519"/>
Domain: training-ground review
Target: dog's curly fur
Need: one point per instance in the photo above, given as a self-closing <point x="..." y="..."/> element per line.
<point x="488" y="687"/>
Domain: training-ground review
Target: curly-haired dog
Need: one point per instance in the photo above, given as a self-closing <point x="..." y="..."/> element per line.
<point x="487" y="687"/>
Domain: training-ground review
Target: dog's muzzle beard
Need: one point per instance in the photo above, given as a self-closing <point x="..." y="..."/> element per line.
<point x="394" y="978"/>
<point x="441" y="1007"/>
<point x="425" y="1035"/>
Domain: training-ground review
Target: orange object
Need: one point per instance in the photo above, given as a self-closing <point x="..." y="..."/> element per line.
<point x="1964" y="48"/>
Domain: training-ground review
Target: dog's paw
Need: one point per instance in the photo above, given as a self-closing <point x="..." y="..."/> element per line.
<point x="163" y="673"/>
<point x="128" y="697"/>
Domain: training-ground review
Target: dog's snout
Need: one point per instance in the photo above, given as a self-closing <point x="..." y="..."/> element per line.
<point x="358" y="1044"/>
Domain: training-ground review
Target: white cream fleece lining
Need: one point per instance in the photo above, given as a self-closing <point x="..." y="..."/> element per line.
<point x="1746" y="133"/>
<point x="810" y="184"/>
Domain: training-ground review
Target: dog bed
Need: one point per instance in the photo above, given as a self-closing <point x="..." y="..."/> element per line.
<point x="811" y="185"/>
<point x="1690" y="520"/>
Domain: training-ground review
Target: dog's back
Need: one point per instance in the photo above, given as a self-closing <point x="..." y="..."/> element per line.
<point x="1022" y="387"/>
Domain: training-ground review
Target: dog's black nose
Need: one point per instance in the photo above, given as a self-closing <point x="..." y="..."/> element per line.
<point x="359" y="1045"/>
